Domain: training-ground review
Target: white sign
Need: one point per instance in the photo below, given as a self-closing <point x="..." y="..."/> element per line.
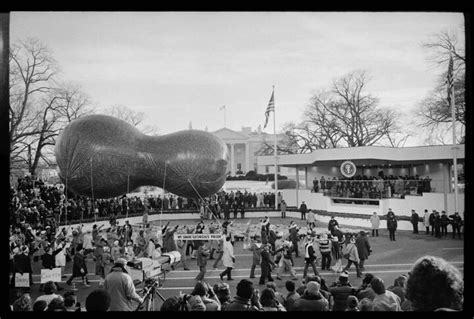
<point x="51" y="275"/>
<point x="198" y="236"/>
<point x="22" y="280"/>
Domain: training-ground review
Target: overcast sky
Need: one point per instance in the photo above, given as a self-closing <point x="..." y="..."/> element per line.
<point x="178" y="67"/>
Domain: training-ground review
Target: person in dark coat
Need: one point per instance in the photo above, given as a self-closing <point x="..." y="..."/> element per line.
<point x="169" y="244"/>
<point x="414" y="221"/>
<point x="432" y="222"/>
<point x="246" y="298"/>
<point x="391" y="224"/>
<point x="456" y="222"/>
<point x="340" y="291"/>
<point x="303" y="210"/>
<point x="294" y="237"/>
<point x="309" y="257"/>
<point x="49" y="262"/>
<point x="332" y="222"/>
<point x="444" y="223"/>
<point x="363" y="248"/>
<point x="437" y="225"/>
<point x="266" y="265"/>
<point x="22" y="264"/>
<point x="79" y="267"/>
<point x="203" y="253"/>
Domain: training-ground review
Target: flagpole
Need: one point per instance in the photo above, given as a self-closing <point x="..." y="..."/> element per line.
<point x="455" y="161"/>
<point x="275" y="148"/>
<point x="225" y="124"/>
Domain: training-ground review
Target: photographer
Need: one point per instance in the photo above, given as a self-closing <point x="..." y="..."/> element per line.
<point x="207" y="295"/>
<point x="121" y="288"/>
<point x="246" y="299"/>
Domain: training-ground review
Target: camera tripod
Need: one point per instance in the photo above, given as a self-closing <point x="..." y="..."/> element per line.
<point x="149" y="298"/>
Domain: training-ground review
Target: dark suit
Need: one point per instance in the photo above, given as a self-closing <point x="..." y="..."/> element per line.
<point x="265" y="264"/>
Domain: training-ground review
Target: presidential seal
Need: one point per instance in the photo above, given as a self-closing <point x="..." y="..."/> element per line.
<point x="348" y="169"/>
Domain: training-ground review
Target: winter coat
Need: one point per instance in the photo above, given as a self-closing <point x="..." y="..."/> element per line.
<point x="228" y="256"/>
<point x="363" y="246"/>
<point x="311" y="257"/>
<point x="415" y="218"/>
<point x="426" y="219"/>
<point x="311" y="303"/>
<point x="387" y="302"/>
<point x="375" y="221"/>
<point x="122" y="290"/>
<point x="202" y="256"/>
<point x="351" y="249"/>
<point x="391" y="222"/>
<point x="340" y="294"/>
<point x="240" y="304"/>
<point x="256" y="250"/>
<point x="168" y="240"/>
<point x="79" y="263"/>
<point x="60" y="258"/>
<point x="290" y="300"/>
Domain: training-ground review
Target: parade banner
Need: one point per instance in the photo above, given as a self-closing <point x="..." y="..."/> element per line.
<point x="198" y="236"/>
<point x="22" y="280"/>
<point x="51" y="275"/>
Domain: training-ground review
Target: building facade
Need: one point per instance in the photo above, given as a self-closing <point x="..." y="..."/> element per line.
<point x="244" y="148"/>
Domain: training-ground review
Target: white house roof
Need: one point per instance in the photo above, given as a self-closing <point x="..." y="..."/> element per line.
<point x="368" y="155"/>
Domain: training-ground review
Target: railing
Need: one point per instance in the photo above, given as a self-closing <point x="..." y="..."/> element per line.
<point x="377" y="188"/>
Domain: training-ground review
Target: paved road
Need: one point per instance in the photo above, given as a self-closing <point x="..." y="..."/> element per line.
<point x="388" y="260"/>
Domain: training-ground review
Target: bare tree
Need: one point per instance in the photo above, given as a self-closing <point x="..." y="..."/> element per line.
<point x="346" y="116"/>
<point x="434" y="111"/>
<point x="39" y="106"/>
<point x="133" y="117"/>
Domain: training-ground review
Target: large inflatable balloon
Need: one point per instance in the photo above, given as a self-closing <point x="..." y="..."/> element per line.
<point x="103" y="157"/>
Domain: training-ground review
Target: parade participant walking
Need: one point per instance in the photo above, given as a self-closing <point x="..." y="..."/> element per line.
<point x="181" y="245"/>
<point x="351" y="253"/>
<point x="169" y="243"/>
<point x="272" y="237"/>
<point x="266" y="265"/>
<point x="414" y="221"/>
<point x="256" y="249"/>
<point x="79" y="268"/>
<point x="391" y="224"/>
<point x="294" y="237"/>
<point x="375" y="222"/>
<point x="426" y="222"/>
<point x="456" y="222"/>
<point x="286" y="262"/>
<point x="22" y="264"/>
<point x="283" y="208"/>
<point x="202" y="257"/>
<point x="331" y="224"/>
<point x="303" y="209"/>
<point x="121" y="288"/>
<point x="220" y="253"/>
<point x="325" y="249"/>
<point x="228" y="259"/>
<point x="309" y="256"/>
<point x="432" y="221"/>
<point x="337" y="241"/>
<point x="363" y="248"/>
<point x="311" y="221"/>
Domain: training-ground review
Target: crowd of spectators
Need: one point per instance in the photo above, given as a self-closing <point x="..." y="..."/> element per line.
<point x="362" y="186"/>
<point x="432" y="284"/>
<point x="38" y="204"/>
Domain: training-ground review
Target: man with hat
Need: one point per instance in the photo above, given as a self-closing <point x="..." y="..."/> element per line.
<point x="294" y="237"/>
<point x="121" y="288"/>
<point x="256" y="249"/>
<point x="414" y="221"/>
<point x="340" y="291"/>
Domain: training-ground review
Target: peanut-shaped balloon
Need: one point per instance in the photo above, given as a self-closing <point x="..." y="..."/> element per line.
<point x="101" y="156"/>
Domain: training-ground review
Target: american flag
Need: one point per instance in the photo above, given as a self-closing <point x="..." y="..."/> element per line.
<point x="450" y="79"/>
<point x="270" y="107"/>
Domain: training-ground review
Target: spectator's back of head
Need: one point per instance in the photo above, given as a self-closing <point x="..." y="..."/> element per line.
<point x="290" y="285"/>
<point x="366" y="305"/>
<point x="23" y="303"/>
<point x="171" y="304"/>
<point x="312" y="288"/>
<point x="40" y="305"/>
<point x="49" y="287"/>
<point x="267" y="297"/>
<point x="245" y="289"/>
<point x="57" y="304"/>
<point x="98" y="300"/>
<point x="434" y="283"/>
<point x="69" y="299"/>
<point x="272" y="285"/>
<point x="199" y="289"/>
<point x="352" y="303"/>
<point x="377" y="285"/>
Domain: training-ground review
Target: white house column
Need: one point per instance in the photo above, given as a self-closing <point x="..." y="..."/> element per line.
<point x="446" y="184"/>
<point x="297" y="186"/>
<point x="232" y="159"/>
<point x="247" y="157"/>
